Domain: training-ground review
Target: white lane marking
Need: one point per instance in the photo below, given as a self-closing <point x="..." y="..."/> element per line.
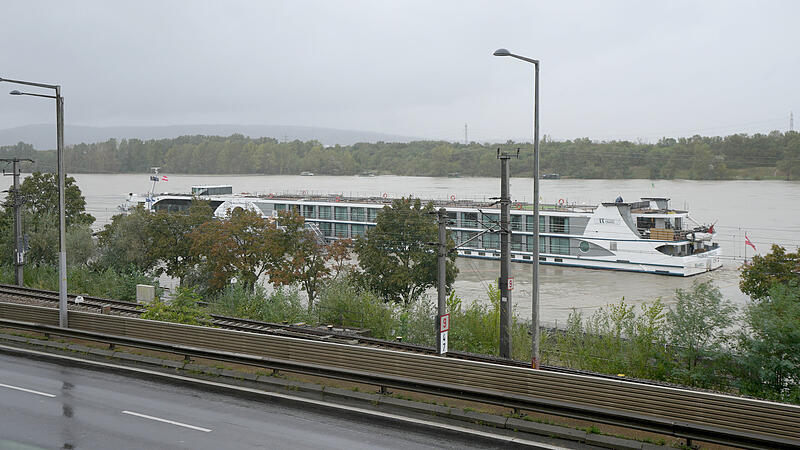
<point x="45" y="394"/>
<point x="172" y="422"/>
<point x="533" y="444"/>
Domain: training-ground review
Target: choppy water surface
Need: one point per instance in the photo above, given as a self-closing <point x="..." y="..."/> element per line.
<point x="767" y="211"/>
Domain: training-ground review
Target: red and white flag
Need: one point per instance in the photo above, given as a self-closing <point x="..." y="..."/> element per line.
<point x="164" y="178"/>
<point x="747" y="242"/>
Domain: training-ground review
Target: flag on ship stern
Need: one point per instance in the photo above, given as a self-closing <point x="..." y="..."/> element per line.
<point x="747" y="241"/>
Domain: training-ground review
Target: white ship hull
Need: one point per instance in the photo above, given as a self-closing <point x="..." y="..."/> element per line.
<point x="644" y="236"/>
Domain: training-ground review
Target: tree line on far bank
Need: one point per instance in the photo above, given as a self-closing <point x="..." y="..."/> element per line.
<point x="739" y="156"/>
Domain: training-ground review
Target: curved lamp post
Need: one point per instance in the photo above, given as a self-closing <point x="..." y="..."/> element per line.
<point x="62" y="254"/>
<point x="535" y="332"/>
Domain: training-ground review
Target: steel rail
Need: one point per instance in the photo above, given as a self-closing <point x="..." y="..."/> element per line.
<point x="690" y="414"/>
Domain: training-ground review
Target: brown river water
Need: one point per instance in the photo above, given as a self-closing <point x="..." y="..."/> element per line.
<point x="767" y="211"/>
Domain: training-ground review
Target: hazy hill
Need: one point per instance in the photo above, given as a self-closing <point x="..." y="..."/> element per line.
<point x="43" y="136"/>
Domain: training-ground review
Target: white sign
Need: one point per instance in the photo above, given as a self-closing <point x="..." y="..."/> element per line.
<point x="444" y="322"/>
<point x="443" y="342"/>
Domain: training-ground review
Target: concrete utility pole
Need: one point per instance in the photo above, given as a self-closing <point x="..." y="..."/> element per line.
<point x="441" y="336"/>
<point x="505" y="282"/>
<point x="19" y="245"/>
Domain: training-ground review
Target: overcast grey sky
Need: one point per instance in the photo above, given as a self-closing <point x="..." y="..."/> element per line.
<point x="610" y="69"/>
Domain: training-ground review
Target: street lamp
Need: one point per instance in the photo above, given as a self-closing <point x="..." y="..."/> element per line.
<point x="62" y="254"/>
<point x="535" y="332"/>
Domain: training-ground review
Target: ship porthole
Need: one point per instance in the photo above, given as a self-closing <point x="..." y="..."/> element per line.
<point x="584" y="246"/>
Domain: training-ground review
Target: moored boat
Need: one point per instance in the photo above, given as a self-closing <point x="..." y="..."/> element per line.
<point x="643" y="236"/>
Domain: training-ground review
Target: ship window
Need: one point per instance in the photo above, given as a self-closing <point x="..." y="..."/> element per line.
<point x="491" y="240"/>
<point x="341" y="230"/>
<point x="372" y="214"/>
<point x="559" y="245"/>
<point x="612" y="246"/>
<point x="452" y="218"/>
<point x="490" y="220"/>
<point x="516" y="222"/>
<point x="358" y="230"/>
<point x="559" y="224"/>
<point x="325" y="212"/>
<point x="469" y="220"/>
<point x="325" y="227"/>
<point x="340" y="212"/>
<point x="516" y="242"/>
<point x="529" y="223"/>
<point x="542" y="243"/>
<point x="308" y="211"/>
<point x="584" y="246"/>
<point x="280" y="207"/>
<point x="467" y="235"/>
<point x="645" y="222"/>
<point x="666" y="249"/>
<point x="678" y="223"/>
<point x="357" y="214"/>
<point x="454" y="237"/>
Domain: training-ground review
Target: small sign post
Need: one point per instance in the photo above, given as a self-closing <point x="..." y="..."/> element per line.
<point x="444" y="326"/>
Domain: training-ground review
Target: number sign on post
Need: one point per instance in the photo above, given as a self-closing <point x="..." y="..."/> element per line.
<point x="444" y="326"/>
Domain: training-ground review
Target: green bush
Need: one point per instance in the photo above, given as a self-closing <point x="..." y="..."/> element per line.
<point x="236" y="300"/>
<point x="770" y="346"/>
<point x="339" y="303"/>
<point x="615" y="340"/>
<point x="82" y="280"/>
<point x="182" y="309"/>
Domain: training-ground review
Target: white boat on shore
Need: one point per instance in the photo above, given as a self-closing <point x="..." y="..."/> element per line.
<point x="643" y="236"/>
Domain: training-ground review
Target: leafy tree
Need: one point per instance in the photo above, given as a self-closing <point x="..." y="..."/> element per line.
<point x="396" y="256"/>
<point x="40" y="194"/>
<point x="697" y="326"/>
<point x="170" y="238"/>
<point x="127" y="242"/>
<point x="244" y="246"/>
<point x="307" y="258"/>
<point x="43" y="246"/>
<point x="763" y="272"/>
<point x="770" y="345"/>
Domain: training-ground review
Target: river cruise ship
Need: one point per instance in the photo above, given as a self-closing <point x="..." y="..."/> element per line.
<point x="642" y="236"/>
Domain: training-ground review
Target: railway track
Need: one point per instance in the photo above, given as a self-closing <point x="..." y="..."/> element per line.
<point x="328" y="334"/>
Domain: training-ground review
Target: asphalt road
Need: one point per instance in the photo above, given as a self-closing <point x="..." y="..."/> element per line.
<point x="46" y="405"/>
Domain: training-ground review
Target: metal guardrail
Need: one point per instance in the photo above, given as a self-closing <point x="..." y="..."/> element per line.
<point x="684" y="413"/>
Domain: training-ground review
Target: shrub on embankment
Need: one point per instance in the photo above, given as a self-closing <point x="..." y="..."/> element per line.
<point x="83" y="280"/>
